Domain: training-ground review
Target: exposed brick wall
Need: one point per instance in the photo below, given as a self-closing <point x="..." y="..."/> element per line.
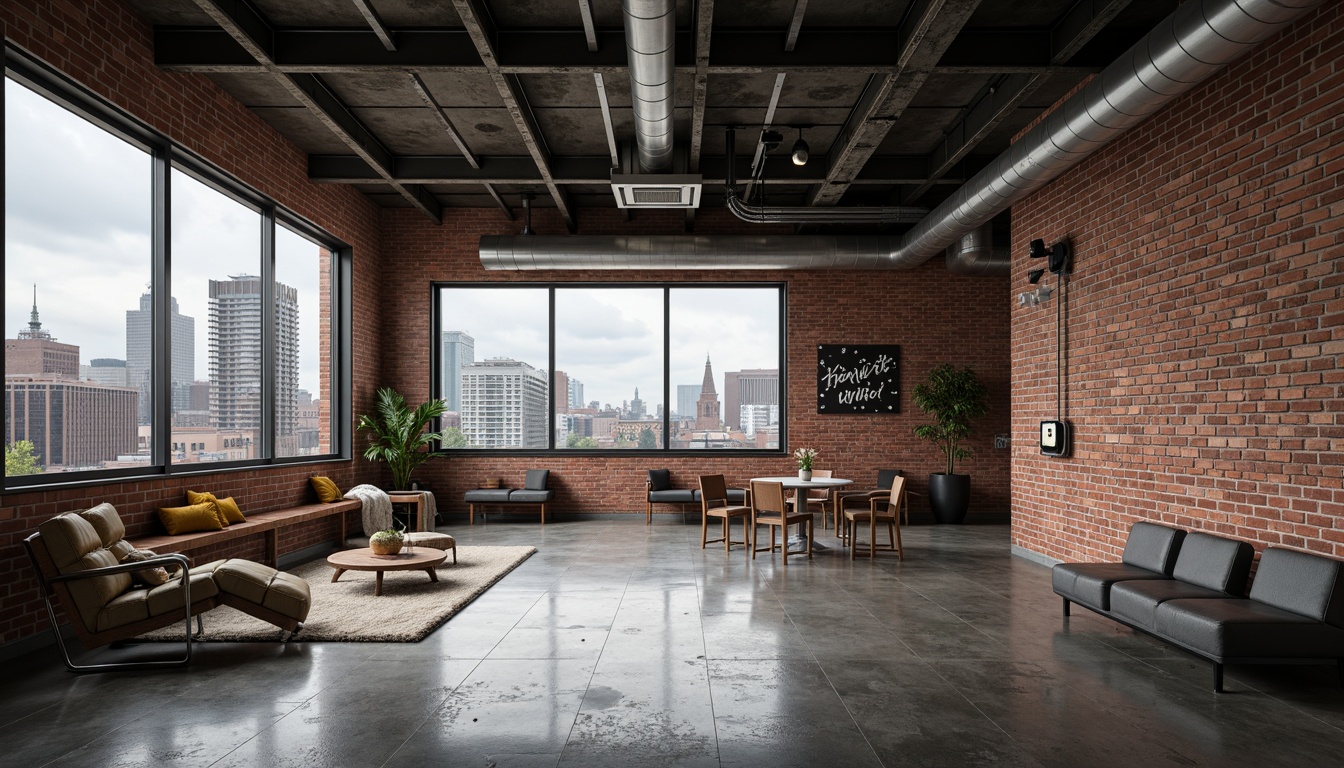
<point x="936" y="317"/>
<point x="1205" y="317"/>
<point x="105" y="47"/>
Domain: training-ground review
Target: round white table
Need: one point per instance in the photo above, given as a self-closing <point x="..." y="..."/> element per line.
<point x="800" y="485"/>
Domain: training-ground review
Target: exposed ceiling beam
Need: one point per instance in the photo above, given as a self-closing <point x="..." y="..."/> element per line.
<point x="758" y="157"/>
<point x="928" y="29"/>
<point x="480" y="27"/>
<point x="376" y="24"/>
<point x="795" y="25"/>
<point x="255" y="35"/>
<point x="606" y="118"/>
<point x="442" y="119"/>
<point x="992" y="107"/>
<point x="516" y="171"/>
<point x="508" y="212"/>
<point x="1082" y="23"/>
<point x="210" y="50"/>
<point x="589" y="31"/>
<point x="704" y="38"/>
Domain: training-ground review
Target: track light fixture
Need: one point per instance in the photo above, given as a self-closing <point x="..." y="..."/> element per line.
<point x="1034" y="276"/>
<point x="800" y="150"/>
<point x="771" y="140"/>
<point x="527" y="213"/>
<point x="1060" y="255"/>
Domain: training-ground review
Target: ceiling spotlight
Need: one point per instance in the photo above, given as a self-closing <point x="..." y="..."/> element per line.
<point x="800" y="150"/>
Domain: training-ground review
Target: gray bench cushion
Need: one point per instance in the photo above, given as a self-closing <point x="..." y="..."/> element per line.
<point x="1153" y="547"/>
<point x="1215" y="563"/>
<point x="536" y="479"/>
<point x="674" y="496"/>
<point x="1305" y="584"/>
<point x="1136" y="601"/>
<point x="529" y="497"/>
<point x="1089" y="584"/>
<point x="1229" y="628"/>
<point x="488" y="496"/>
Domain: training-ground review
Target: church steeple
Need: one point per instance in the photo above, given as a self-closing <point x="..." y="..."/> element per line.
<point x="707" y="407"/>
<point x="708" y="384"/>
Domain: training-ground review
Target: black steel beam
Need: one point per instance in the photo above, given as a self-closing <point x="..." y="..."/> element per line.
<point x="704" y="39"/>
<point x="1082" y="23"/>
<point x="795" y="25"/>
<point x="503" y="206"/>
<point x="376" y="25"/>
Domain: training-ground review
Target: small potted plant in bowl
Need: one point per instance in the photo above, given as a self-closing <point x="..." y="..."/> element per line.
<point x="387" y="542"/>
<point x="805" y="457"/>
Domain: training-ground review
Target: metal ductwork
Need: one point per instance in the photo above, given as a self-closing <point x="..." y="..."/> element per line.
<point x="650" y="32"/>
<point x="975" y="254"/>
<point x="1200" y="38"/>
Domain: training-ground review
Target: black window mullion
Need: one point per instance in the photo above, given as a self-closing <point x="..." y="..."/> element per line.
<point x="667" y="368"/>
<point x="161" y="291"/>
<point x="268" y="338"/>
<point x="550" y="365"/>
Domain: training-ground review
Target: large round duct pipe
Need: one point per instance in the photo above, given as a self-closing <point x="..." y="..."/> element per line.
<point x="684" y="252"/>
<point x="1198" y="39"/>
<point x="650" y="32"/>
<point x="975" y="254"/>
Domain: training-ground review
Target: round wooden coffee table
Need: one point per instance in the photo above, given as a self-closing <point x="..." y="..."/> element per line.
<point x="421" y="559"/>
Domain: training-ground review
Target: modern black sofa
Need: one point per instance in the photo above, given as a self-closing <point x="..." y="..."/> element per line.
<point x="658" y="489"/>
<point x="1186" y="589"/>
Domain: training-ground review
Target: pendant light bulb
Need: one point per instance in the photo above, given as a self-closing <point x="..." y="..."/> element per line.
<point x="800" y="149"/>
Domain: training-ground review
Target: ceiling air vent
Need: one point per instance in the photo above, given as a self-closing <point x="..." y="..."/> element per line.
<point x="656" y="190"/>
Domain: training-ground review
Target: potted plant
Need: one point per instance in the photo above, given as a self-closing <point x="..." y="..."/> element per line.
<point x="805" y="457"/>
<point x="387" y="542"/>
<point x="953" y="397"/>
<point x="398" y="434"/>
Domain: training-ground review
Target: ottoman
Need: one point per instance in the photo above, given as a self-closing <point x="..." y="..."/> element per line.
<point x="434" y="540"/>
<point x="262" y="591"/>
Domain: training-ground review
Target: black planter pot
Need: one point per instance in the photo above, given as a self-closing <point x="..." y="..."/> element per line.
<point x="949" y="497"/>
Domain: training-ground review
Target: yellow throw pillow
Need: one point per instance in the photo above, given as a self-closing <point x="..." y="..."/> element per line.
<point x="209" y="498"/>
<point x="189" y="519"/>
<point x="327" y="491"/>
<point x="230" y="509"/>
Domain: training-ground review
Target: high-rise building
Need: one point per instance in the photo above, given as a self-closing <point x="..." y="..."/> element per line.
<point x="754" y="386"/>
<point x="71" y="424"/>
<point x="108" y="371"/>
<point x="459" y="351"/>
<point x="637" y="409"/>
<point x="236" y="339"/>
<point x="504" y="405"/>
<point x="707" y="406"/>
<point x="755" y="418"/>
<point x="687" y="395"/>
<point x="140" y="351"/>
<point x="37" y="353"/>
<point x="561" y="395"/>
<point x="575" y="393"/>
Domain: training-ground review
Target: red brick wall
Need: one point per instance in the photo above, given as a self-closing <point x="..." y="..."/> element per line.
<point x="107" y="48"/>
<point x="935" y="317"/>
<point x="1205" y="317"/>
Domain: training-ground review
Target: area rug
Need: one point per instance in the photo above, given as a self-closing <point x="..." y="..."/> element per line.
<point x="410" y="607"/>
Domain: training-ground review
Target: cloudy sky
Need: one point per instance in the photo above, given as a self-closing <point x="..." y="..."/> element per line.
<point x="77" y="224"/>
<point x="611" y="338"/>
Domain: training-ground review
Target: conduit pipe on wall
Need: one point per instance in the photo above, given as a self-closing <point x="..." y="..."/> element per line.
<point x="650" y="34"/>
<point x="1197" y="40"/>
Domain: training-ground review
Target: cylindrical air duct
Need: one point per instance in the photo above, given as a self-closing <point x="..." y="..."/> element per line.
<point x="650" y="31"/>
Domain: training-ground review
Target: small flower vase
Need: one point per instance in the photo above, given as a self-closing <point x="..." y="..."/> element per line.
<point x="805" y="475"/>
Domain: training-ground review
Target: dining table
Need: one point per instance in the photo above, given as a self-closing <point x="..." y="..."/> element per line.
<point x="799" y="486"/>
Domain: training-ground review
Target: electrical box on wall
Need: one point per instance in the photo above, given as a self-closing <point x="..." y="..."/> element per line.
<point x="1056" y="437"/>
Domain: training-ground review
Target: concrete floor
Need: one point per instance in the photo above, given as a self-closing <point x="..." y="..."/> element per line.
<point x="621" y="645"/>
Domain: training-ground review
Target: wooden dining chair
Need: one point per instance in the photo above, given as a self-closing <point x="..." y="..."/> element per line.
<point x="714" y="503"/>
<point x="880" y="509"/>
<point x="769" y="508"/>
<point x="860" y="499"/>
<point x="816" y="499"/>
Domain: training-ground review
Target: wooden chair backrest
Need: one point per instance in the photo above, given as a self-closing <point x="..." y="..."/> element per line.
<point x="820" y="493"/>
<point x="713" y="489"/>
<point x="897" y="489"/>
<point x="767" y="498"/>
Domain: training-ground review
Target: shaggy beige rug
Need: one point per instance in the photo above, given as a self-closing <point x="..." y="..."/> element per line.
<point x="410" y="607"/>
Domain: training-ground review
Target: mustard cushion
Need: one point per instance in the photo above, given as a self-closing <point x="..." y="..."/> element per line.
<point x="327" y="491"/>
<point x="194" y="498"/>
<point x="192" y="518"/>
<point x="230" y="509"/>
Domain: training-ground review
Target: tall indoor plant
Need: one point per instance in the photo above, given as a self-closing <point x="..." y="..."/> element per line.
<point x="398" y="435"/>
<point x="953" y="397"/>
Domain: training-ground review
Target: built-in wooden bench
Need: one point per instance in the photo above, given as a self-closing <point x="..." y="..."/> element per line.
<point x="266" y="523"/>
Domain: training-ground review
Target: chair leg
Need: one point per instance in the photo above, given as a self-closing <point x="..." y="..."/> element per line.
<point x="896" y="526"/>
<point x="811" y="532"/>
<point x="1217" y="678"/>
<point x="727" y="539"/>
<point x="704" y="530"/>
<point x="1066" y="607"/>
<point x="849" y="535"/>
<point x="648" y="513"/>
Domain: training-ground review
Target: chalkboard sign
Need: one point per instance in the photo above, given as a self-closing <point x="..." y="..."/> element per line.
<point x="858" y="378"/>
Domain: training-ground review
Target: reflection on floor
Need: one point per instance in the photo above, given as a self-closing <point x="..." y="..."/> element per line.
<point x="623" y="645"/>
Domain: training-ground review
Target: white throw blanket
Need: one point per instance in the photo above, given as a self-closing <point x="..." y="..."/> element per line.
<point x="377" y="507"/>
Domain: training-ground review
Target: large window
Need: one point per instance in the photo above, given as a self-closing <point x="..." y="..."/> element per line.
<point x="131" y="352"/>
<point x="627" y="367"/>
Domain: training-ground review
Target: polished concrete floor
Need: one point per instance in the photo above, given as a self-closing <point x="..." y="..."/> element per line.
<point x="621" y="645"/>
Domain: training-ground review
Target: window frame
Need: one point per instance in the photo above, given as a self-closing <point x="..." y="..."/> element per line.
<point x="165" y="155"/>
<point x="667" y="286"/>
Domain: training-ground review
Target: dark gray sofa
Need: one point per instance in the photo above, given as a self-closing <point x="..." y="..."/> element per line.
<point x="533" y="492"/>
<point x="1186" y="589"/>
<point x="658" y="489"/>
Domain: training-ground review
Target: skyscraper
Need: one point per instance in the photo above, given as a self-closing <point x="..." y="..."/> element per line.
<point x="504" y="405"/>
<point x="459" y="351"/>
<point x="140" y="350"/>
<point x="751" y="387"/>
<point x="236" y="339"/>
<point x="37" y="353"/>
<point x="687" y="395"/>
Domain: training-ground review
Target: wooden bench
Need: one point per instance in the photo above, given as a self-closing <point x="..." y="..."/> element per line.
<point x="265" y="523"/>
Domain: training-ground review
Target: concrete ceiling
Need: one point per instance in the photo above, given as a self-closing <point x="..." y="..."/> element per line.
<point x="477" y="102"/>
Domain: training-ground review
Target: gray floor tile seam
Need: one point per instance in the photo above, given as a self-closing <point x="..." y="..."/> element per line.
<point x="852" y="717"/>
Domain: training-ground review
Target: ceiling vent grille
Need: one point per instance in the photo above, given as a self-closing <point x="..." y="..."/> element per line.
<point x="656" y="190"/>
